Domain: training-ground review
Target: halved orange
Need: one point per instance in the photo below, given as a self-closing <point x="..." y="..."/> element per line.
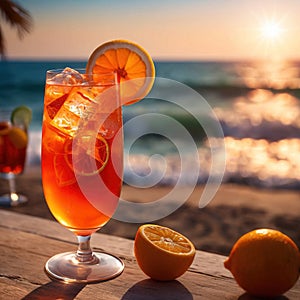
<point x="132" y="65"/>
<point x="162" y="253"/>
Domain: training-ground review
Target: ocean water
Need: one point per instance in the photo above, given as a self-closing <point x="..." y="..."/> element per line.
<point x="256" y="104"/>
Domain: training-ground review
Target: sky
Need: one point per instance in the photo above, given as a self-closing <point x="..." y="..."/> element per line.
<point x="167" y="29"/>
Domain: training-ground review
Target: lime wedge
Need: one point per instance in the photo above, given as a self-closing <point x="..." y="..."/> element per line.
<point x="21" y="116"/>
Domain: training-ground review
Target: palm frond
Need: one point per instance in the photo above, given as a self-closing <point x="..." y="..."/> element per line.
<point x="16" y="16"/>
<point x="2" y="43"/>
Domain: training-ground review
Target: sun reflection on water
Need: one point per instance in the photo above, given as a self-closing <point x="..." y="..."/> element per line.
<point x="263" y="163"/>
<point x="262" y="127"/>
<point x="274" y="74"/>
<point x="262" y="107"/>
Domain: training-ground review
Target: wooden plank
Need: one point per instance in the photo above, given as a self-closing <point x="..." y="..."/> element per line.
<point x="209" y="263"/>
<point x="22" y="268"/>
<point x="27" y="242"/>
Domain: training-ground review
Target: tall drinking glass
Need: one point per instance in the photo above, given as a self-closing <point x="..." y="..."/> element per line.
<point x="82" y="165"/>
<point x="13" y="146"/>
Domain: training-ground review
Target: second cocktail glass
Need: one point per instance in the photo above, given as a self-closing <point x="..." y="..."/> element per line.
<point x="13" y="147"/>
<point x="82" y="166"/>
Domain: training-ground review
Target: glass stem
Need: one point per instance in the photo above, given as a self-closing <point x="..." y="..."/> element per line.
<point x="12" y="188"/>
<point x="84" y="252"/>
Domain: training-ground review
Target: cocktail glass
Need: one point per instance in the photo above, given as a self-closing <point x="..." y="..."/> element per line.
<point x="82" y="166"/>
<point x="13" y="147"/>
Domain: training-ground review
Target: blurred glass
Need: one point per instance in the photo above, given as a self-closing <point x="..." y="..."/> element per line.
<point x="13" y="147"/>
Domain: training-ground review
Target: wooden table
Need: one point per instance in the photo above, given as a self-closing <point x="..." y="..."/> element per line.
<point x="26" y="243"/>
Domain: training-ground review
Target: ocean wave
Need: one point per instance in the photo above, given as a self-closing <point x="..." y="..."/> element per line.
<point x="257" y="162"/>
<point x="261" y="114"/>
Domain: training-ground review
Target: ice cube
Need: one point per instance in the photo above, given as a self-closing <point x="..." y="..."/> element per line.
<point x="80" y="102"/>
<point x="109" y="124"/>
<point x="65" y="121"/>
<point x="68" y="76"/>
<point x="76" y="111"/>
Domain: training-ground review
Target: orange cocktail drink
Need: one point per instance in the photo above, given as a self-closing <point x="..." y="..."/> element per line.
<point x="82" y="148"/>
<point x="82" y="151"/>
<point x="13" y="144"/>
<point x="14" y="124"/>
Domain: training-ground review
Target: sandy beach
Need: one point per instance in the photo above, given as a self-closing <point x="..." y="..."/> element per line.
<point x="235" y="210"/>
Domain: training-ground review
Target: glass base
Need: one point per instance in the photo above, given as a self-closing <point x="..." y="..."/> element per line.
<point x="65" y="267"/>
<point x="14" y="199"/>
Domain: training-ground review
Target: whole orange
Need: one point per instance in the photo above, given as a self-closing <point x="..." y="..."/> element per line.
<point x="162" y="253"/>
<point x="264" y="262"/>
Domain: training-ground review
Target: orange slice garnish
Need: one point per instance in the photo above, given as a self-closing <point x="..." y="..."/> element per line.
<point x="18" y="137"/>
<point x="64" y="174"/>
<point x="4" y="128"/>
<point x="162" y="253"/>
<point x="88" y="156"/>
<point x="81" y="159"/>
<point x="130" y="62"/>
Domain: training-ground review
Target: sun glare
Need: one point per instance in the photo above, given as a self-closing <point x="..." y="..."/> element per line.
<point x="271" y="30"/>
<point x="272" y="37"/>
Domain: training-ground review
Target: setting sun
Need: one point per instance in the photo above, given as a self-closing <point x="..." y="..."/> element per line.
<point x="271" y="30"/>
<point x="273" y="37"/>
